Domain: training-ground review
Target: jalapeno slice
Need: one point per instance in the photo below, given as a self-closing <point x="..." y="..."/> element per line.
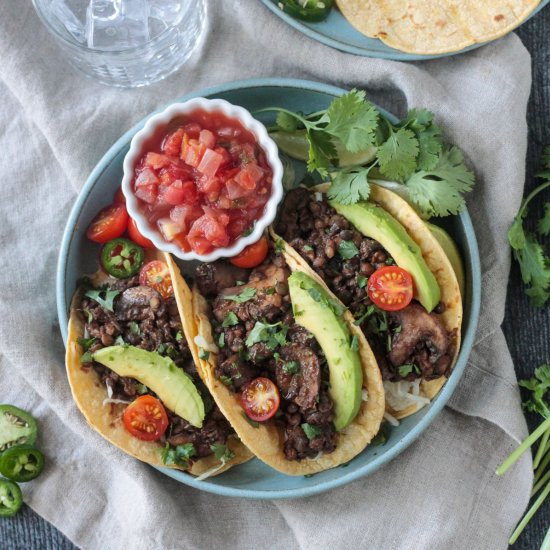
<point x="121" y="258"/>
<point x="11" y="498"/>
<point x="312" y="11"/>
<point x="21" y="463"/>
<point x="17" y="427"/>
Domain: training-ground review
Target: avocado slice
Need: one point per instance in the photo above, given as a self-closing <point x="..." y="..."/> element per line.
<point x="451" y="251"/>
<point x="296" y="145"/>
<point x="174" y="387"/>
<point x="321" y="314"/>
<point x="374" y="222"/>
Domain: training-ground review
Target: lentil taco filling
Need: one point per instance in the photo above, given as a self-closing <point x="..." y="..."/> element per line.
<point x="257" y="336"/>
<point x="409" y="344"/>
<point x="128" y="313"/>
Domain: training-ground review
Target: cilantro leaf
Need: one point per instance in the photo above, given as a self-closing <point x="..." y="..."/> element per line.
<point x="246" y="295"/>
<point x="311" y="431"/>
<point x="179" y="455"/>
<point x="291" y="367"/>
<point x="285" y="121"/>
<point x="397" y="155"/>
<point x="350" y="185"/>
<point x="543" y="225"/>
<point x="354" y="344"/>
<point x="272" y="335"/>
<point x="134" y="328"/>
<point x="429" y="148"/>
<point x="86" y="357"/>
<point x="516" y="234"/>
<point x="418" y="119"/>
<point x="222" y="452"/>
<point x="230" y="320"/>
<point x="538" y="385"/>
<point x="535" y="270"/>
<point x="347" y="250"/>
<point x="353" y="120"/>
<point x="439" y="192"/>
<point x="405" y="370"/>
<point x="86" y="343"/>
<point x="362" y="280"/>
<point x="321" y="151"/>
<point x="204" y="354"/>
<point x="107" y="301"/>
<point x="253" y="423"/>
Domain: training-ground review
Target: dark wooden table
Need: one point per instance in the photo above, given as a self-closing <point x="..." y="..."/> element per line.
<point x="527" y="330"/>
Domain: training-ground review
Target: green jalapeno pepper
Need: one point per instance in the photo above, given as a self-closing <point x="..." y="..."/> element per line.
<point x="17" y="427"/>
<point x="312" y="11"/>
<point x="11" y="498"/>
<point x="121" y="258"/>
<point x="21" y="463"/>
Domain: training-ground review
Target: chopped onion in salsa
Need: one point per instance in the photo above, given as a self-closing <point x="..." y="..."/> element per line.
<point x="203" y="181"/>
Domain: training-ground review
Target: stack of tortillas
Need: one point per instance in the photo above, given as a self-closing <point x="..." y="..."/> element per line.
<point x="435" y="26"/>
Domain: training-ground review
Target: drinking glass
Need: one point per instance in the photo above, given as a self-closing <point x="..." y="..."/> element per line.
<point x="125" y="43"/>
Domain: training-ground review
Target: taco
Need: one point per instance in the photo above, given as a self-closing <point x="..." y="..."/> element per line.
<point x="344" y="246"/>
<point x="285" y="365"/>
<point x="133" y="375"/>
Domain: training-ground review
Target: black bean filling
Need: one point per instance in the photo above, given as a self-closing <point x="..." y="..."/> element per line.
<point x="142" y="318"/>
<point x="295" y="363"/>
<point x="408" y="344"/>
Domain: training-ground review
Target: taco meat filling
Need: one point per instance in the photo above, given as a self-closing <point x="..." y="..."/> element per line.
<point x="141" y="317"/>
<point x="258" y="337"/>
<point x="409" y="343"/>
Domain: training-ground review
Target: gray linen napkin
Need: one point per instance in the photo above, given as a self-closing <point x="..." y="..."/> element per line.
<point x="56" y="124"/>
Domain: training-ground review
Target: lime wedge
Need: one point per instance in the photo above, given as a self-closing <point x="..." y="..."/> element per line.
<point x="451" y="250"/>
<point x="296" y="145"/>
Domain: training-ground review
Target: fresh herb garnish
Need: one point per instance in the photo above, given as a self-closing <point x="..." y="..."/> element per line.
<point x="239" y="283"/>
<point x="134" y="328"/>
<point x="405" y="370"/>
<point x="179" y="336"/>
<point x="179" y="455"/>
<point x="86" y="343"/>
<point x="222" y="452"/>
<point x="86" y="357"/>
<point x="307" y="248"/>
<point x="221" y="340"/>
<point x="362" y="281"/>
<point x="272" y="335"/>
<point x="311" y="431"/>
<point x="230" y="320"/>
<point x="105" y="302"/>
<point x="347" y="250"/>
<point x="204" y="354"/>
<point x="225" y="380"/>
<point x="538" y="386"/>
<point x="528" y="251"/>
<point x="161" y="349"/>
<point x="246" y="295"/>
<point x="119" y="341"/>
<point x="354" y="344"/>
<point x="141" y="388"/>
<point x="410" y="152"/>
<point x="279" y="245"/>
<point x="291" y="367"/>
<point x="321" y="298"/>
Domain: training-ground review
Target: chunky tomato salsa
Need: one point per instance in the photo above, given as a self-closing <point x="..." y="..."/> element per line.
<point x="203" y="181"/>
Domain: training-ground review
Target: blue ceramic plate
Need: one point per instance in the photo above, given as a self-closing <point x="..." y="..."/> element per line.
<point x="254" y="479"/>
<point x="335" y="31"/>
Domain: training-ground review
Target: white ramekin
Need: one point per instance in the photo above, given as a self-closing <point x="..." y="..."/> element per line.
<point x="162" y="119"/>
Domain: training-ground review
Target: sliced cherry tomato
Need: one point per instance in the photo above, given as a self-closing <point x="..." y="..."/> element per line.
<point x="157" y="275"/>
<point x="260" y="399"/>
<point x="252" y="255"/>
<point x="136" y="236"/>
<point x="390" y="288"/>
<point x="121" y="258"/>
<point x="21" y="463"/>
<point x="119" y="197"/>
<point x="110" y="223"/>
<point x="146" y="418"/>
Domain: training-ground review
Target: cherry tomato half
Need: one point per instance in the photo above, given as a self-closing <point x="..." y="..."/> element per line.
<point x="136" y="236"/>
<point x="110" y="223"/>
<point x="157" y="275"/>
<point x="260" y="399"/>
<point x="119" y="197"/>
<point x="252" y="255"/>
<point x="390" y="288"/>
<point x="145" y="418"/>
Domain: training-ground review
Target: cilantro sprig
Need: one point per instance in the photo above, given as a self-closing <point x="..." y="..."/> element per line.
<point x="528" y="251"/>
<point x="538" y="403"/>
<point x="411" y="152"/>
